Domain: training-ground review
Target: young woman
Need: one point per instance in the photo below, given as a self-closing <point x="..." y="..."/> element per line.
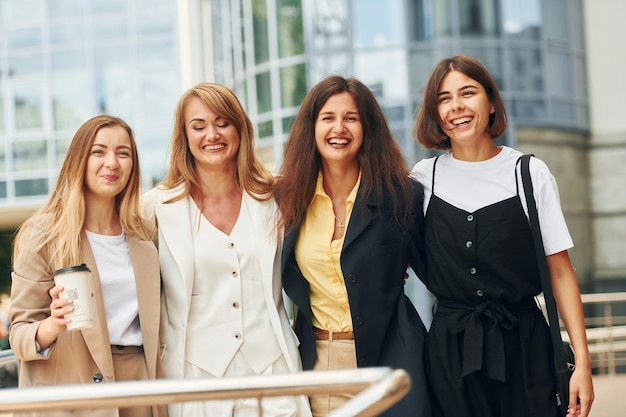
<point x="488" y="351"/>
<point x="92" y="218"/>
<point x="353" y="222"/>
<point x="223" y="310"/>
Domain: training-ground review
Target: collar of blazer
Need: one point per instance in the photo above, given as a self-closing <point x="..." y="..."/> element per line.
<point x="361" y="216"/>
<point x="176" y="228"/>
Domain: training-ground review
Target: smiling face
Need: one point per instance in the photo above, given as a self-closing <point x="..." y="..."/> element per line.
<point x="213" y="140"/>
<point x="110" y="163"/>
<point x="338" y="129"/>
<point x="464" y="108"/>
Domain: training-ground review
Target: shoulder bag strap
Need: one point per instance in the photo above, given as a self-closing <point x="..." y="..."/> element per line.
<point x="542" y="263"/>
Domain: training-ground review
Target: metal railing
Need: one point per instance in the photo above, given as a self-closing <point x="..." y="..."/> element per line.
<point x="376" y="390"/>
<point x="606" y="332"/>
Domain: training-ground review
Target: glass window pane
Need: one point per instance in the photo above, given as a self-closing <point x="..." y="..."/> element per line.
<point x="293" y="85"/>
<point x="290" y="30"/>
<point x="442" y="19"/>
<point x="156" y="52"/>
<point x="112" y="82"/>
<point x="60" y="149"/>
<point x="266" y="129"/>
<point x="557" y="14"/>
<point x="66" y="8"/>
<point x="559" y="73"/>
<point x="479" y="18"/>
<point x="3" y="189"/>
<point x="109" y="6"/>
<point x="330" y="25"/>
<point x="22" y="11"/>
<point x="263" y="93"/>
<point x="563" y="111"/>
<point x="107" y="30"/>
<point x="522" y="20"/>
<point x="526" y="70"/>
<point x="71" y="101"/>
<point x="535" y="109"/>
<point x="67" y="34"/>
<point x="335" y="63"/>
<point x="378" y="23"/>
<point x="3" y="158"/>
<point x="288" y="123"/>
<point x="18" y="40"/>
<point x="2" y="129"/>
<point x="388" y="81"/>
<point x="260" y="28"/>
<point x="156" y="21"/>
<point x="159" y="91"/>
<point x="28" y="107"/>
<point x="25" y="188"/>
<point x="30" y="156"/>
<point x="26" y="64"/>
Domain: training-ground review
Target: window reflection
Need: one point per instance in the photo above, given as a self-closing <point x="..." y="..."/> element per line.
<point x="66" y="8"/>
<point x="479" y="17"/>
<point x="112" y="82"/>
<point x="293" y="85"/>
<point x="71" y="101"/>
<point x="260" y="27"/>
<point x="156" y="52"/>
<point x="67" y="34"/>
<point x="526" y="69"/>
<point x="529" y="109"/>
<point x="108" y="6"/>
<point x="17" y="40"/>
<point x="30" y="156"/>
<point x="290" y="29"/>
<point x="3" y="189"/>
<point x="263" y="92"/>
<point x="107" y="30"/>
<point x="430" y="19"/>
<point x="158" y="92"/>
<point x="25" y="64"/>
<point x="522" y="20"/>
<point x="330" y="24"/>
<point x="26" y="188"/>
<point x="28" y="107"/>
<point x="60" y="150"/>
<point x="389" y="81"/>
<point x="22" y="11"/>
<point x="378" y="23"/>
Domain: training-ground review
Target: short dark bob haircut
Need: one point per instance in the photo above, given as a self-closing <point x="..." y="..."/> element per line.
<point x="427" y="127"/>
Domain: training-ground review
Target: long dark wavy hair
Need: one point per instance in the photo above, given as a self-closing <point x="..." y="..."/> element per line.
<point x="383" y="168"/>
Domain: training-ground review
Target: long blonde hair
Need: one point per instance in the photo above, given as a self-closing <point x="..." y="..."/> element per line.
<point x="252" y="176"/>
<point x="66" y="206"/>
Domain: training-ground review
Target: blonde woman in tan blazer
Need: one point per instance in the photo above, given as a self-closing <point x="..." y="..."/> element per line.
<point x="92" y="217"/>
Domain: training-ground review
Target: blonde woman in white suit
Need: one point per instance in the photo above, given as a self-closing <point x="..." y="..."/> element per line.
<point x="220" y="253"/>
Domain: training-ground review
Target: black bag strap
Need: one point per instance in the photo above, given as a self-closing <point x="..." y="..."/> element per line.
<point x="542" y="264"/>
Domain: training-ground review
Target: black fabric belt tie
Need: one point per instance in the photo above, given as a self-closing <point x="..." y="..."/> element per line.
<point x="490" y="316"/>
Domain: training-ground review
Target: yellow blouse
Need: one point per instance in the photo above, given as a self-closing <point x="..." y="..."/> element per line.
<point x="318" y="257"/>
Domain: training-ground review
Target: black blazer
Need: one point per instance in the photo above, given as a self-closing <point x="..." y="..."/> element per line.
<point x="387" y="329"/>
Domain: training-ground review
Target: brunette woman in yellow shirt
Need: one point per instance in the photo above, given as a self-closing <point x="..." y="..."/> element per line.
<point x="353" y="222"/>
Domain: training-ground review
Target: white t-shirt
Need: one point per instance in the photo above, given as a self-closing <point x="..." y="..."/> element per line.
<point x="473" y="185"/>
<point x="119" y="290"/>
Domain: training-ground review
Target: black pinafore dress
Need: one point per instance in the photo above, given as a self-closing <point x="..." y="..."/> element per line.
<point x="488" y="352"/>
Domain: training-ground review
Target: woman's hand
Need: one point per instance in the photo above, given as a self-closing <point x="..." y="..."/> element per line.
<point x="56" y="323"/>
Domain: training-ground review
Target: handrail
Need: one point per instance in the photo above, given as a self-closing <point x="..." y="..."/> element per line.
<point x="381" y="388"/>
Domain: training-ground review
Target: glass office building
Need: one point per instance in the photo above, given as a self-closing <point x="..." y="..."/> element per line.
<point x="64" y="61"/>
<point x="272" y="51"/>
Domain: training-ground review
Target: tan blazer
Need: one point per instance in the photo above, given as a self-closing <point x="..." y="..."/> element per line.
<point x="177" y="270"/>
<point x="79" y="356"/>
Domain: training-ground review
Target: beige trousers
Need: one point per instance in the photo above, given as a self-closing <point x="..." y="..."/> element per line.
<point x="336" y="354"/>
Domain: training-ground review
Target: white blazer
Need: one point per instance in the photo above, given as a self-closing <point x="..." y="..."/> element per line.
<point x="177" y="272"/>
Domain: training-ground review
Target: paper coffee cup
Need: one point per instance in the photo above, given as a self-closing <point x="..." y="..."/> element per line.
<point x="75" y="281"/>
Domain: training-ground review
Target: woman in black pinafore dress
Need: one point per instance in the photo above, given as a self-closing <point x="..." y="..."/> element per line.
<point x="488" y="352"/>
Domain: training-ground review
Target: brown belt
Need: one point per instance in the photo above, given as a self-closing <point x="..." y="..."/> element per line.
<point x="125" y="350"/>
<point x="330" y="335"/>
